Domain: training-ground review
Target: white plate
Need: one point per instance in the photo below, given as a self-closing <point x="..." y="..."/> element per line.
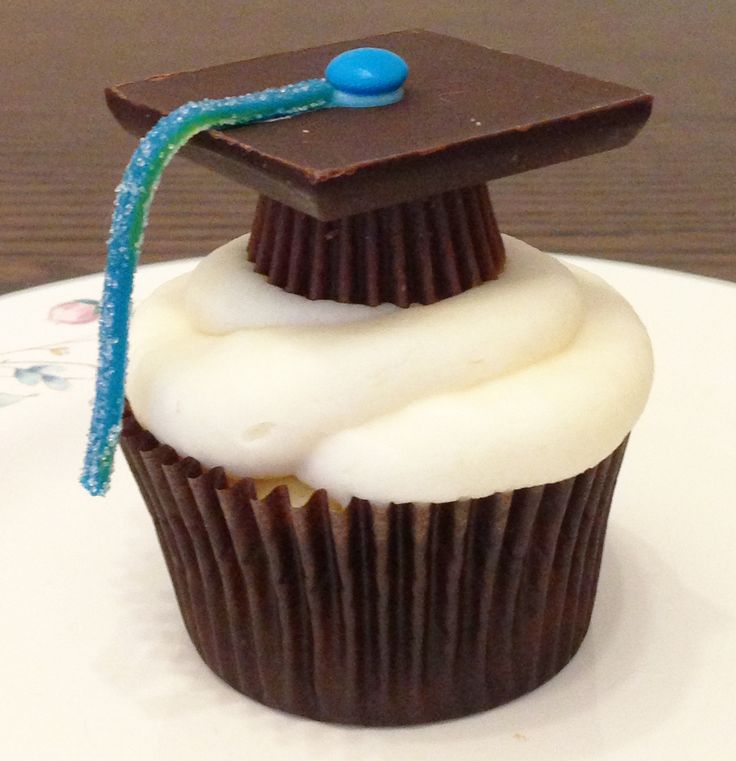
<point x="95" y="663"/>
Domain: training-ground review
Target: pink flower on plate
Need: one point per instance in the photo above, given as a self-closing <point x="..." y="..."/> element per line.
<point x="75" y="312"/>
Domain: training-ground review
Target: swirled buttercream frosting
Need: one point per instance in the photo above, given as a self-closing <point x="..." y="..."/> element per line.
<point x="525" y="380"/>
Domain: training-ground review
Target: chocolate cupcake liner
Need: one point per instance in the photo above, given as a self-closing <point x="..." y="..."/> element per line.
<point x="377" y="615"/>
<point x="418" y="252"/>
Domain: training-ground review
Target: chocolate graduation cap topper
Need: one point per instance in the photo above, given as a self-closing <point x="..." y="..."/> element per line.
<point x="359" y="204"/>
<point x="391" y="204"/>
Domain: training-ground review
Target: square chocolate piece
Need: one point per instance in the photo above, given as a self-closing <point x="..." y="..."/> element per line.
<point x="469" y="114"/>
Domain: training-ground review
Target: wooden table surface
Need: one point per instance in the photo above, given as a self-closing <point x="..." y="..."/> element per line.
<point x="667" y="199"/>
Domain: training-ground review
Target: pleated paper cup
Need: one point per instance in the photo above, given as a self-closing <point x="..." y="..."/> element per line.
<point x="372" y="615"/>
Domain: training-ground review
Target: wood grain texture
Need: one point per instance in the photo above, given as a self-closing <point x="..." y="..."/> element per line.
<point x="665" y="200"/>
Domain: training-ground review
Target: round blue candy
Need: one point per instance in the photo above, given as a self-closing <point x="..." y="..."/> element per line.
<point x="367" y="71"/>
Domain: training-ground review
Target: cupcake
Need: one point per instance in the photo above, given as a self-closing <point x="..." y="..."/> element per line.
<point x="379" y="440"/>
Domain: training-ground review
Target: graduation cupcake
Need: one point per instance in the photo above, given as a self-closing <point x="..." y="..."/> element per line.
<point x="378" y="439"/>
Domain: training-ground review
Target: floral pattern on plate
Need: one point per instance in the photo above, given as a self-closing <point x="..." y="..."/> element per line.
<point x="27" y="371"/>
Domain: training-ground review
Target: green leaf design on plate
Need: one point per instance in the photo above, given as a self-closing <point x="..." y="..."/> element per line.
<point x="29" y="376"/>
<point x="56" y="382"/>
<point x="7" y="399"/>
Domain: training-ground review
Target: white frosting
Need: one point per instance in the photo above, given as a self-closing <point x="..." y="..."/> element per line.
<point x="225" y="295"/>
<point x="525" y="380"/>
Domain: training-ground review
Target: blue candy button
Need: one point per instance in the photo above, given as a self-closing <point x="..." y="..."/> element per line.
<point x="367" y="71"/>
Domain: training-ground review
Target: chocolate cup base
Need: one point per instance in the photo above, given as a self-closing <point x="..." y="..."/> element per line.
<point x="377" y="616"/>
<point x="417" y="252"/>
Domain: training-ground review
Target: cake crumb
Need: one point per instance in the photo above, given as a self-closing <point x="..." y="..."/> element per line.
<point x="519" y="736"/>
